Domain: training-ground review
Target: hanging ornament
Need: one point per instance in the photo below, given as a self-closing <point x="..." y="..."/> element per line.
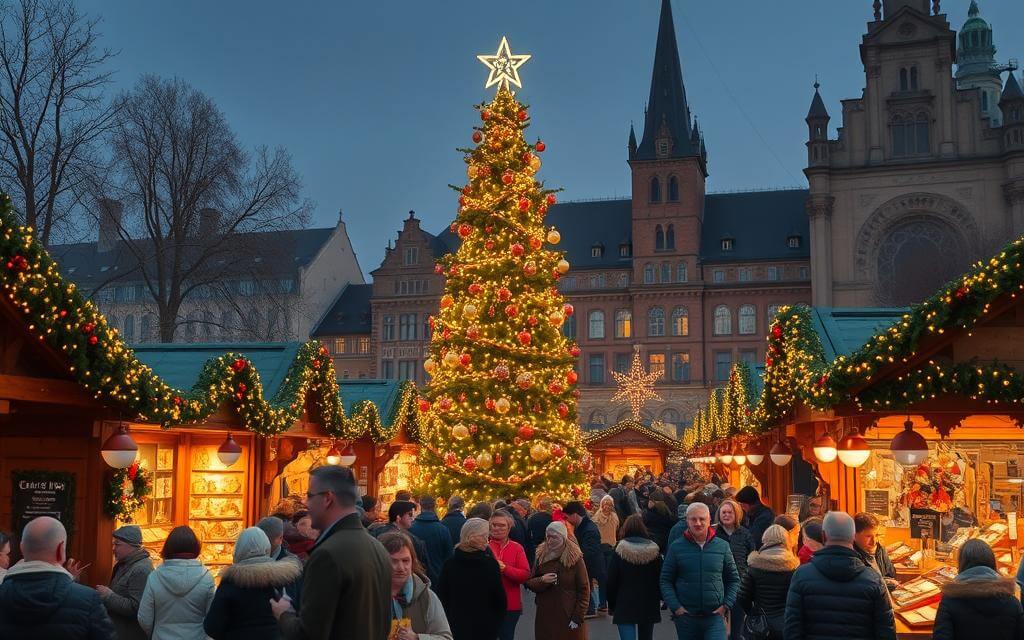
<point x="497" y="458"/>
<point x="504" y="294"/>
<point x="489" y="404"/>
<point x="563" y="410"/>
<point x="517" y="250"/>
<point x="17" y="263"/>
<point x="536" y="243"/>
<point x="501" y="372"/>
<point x="478" y="137"/>
<point x="238" y="365"/>
<point x="472" y="171"/>
<point x="524" y="380"/>
<point x="524" y="338"/>
<point x="465" y="230"/>
<point x="554" y="237"/>
<point x="485" y="115"/>
<point x="562" y="266"/>
<point x="450" y="459"/>
<point x="525" y="431"/>
<point x="88" y="327"/>
<point x="540" y="146"/>
<point x="447" y="301"/>
<point x="502" y="405"/>
<point x="475" y="288"/>
<point x="535" y="163"/>
<point x="555" y="387"/>
<point x="473" y="429"/>
<point x="539" y="452"/>
<point x="568" y="309"/>
<point x="962" y="292"/>
<point x="574" y="351"/>
<point x="473" y="332"/>
<point x="485" y="461"/>
<point x="469" y="464"/>
<point x="465" y="359"/>
<point x="489" y="245"/>
<point x="522" y="114"/>
<point x="444" y="404"/>
<point x="551" y="199"/>
<point x="93" y="340"/>
<point x="424" y="405"/>
<point x="524" y="204"/>
<point x="451" y="359"/>
<point x="511" y="311"/>
<point x="556" y="319"/>
<point x="530" y="269"/>
<point x="430" y="366"/>
<point x="460" y="431"/>
<point x="469" y="311"/>
<point x="776" y="332"/>
<point x="557" y="450"/>
<point x="507" y="177"/>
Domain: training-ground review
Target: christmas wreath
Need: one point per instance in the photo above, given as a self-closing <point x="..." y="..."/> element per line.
<point x="126" y="492"/>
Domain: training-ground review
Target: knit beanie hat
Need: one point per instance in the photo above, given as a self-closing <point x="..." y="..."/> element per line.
<point x="129" y="534"/>
<point x="559" y="528"/>
<point x="774" y="535"/>
<point x="252" y="543"/>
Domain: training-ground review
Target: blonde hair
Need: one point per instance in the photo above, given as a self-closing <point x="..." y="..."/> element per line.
<point x="474" y="528"/>
<point x="736" y="509"/>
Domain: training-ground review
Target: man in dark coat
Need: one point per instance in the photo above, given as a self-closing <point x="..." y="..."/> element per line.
<point x="401" y="515"/>
<point x="589" y="538"/>
<point x="274" y="528"/>
<point x="618" y="493"/>
<point x="454" y="518"/>
<point x="836" y="595"/>
<point x="435" y="536"/>
<point x="347" y="579"/>
<point x="756" y="515"/>
<point x="39" y="599"/>
<point x="127" y="582"/>
<point x="865" y="543"/>
<point x="537" y="524"/>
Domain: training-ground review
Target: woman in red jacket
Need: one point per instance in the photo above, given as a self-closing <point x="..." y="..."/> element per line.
<point x="514" y="570"/>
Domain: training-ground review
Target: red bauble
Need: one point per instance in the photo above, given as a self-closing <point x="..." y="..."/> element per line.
<point x="575" y="492"/>
<point x="430" y="321"/>
<point x="485" y="115"/>
<point x="488" y="229"/>
<point x="574" y="351"/>
<point x="551" y="199"/>
<point x="776" y="332"/>
<point x="453" y="270"/>
<point x="239" y="364"/>
<point x="478" y="137"/>
<point x="507" y="177"/>
<point x="768" y="362"/>
<point x="177" y="401"/>
<point x="511" y="311"/>
<point x="572" y="377"/>
<point x="465" y="230"/>
<point x="522" y="114"/>
<point x="497" y="458"/>
<point x="465" y="359"/>
<point x="517" y="250"/>
<point x="524" y="204"/>
<point x="473" y="332"/>
<point x="501" y="372"/>
<point x="466" y="190"/>
<point x="525" y="431"/>
<point x="576" y="393"/>
<point x="18" y="263"/>
<point x="316" y="364"/>
<point x="424" y="405"/>
<point x="476" y="288"/>
<point x="446" y="334"/>
<point x="536" y="243"/>
<point x="504" y="294"/>
<point x="489" y="404"/>
<point x="88" y="327"/>
<point x="450" y="459"/>
<point x="462" y="201"/>
<point x="242" y="387"/>
<point x="962" y="292"/>
<point x="526" y="157"/>
<point x="563" y="410"/>
<point x="557" y="450"/>
<point x="93" y="340"/>
<point x="489" y="245"/>
<point x="469" y="464"/>
<point x="63" y="313"/>
<point x="473" y="428"/>
<point x="568" y="310"/>
<point x="555" y="387"/>
<point x="524" y="338"/>
<point x="445" y="404"/>
<point x="540" y="146"/>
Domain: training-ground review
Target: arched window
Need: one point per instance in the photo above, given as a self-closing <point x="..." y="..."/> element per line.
<point x="773" y="310"/>
<point x="656" y="322"/>
<point x="723" y="320"/>
<point x="595" y="324"/>
<point x="666" y="273"/>
<point x="659" y="238"/>
<point x="670" y="416"/>
<point x="655" y="189"/>
<point x="681" y="272"/>
<point x="648" y="273"/>
<point x="680" y="321"/>
<point x="670" y="237"/>
<point x="129" y="328"/>
<point x="673" y="189"/>
<point x="748" y="320"/>
<point x="913" y="78"/>
<point x="904" y="84"/>
<point x="623" y="323"/>
<point x="148" y="323"/>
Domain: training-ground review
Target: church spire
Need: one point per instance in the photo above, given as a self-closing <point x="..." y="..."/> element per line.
<point x="632" y="142"/>
<point x="667" y="132"/>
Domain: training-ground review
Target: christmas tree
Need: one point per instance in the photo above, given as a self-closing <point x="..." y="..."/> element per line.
<point x="499" y="413"/>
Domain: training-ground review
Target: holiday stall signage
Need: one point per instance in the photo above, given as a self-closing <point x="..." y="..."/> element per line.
<point x="42" y="493"/>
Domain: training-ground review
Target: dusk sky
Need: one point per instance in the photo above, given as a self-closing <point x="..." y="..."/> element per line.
<point x="372" y="98"/>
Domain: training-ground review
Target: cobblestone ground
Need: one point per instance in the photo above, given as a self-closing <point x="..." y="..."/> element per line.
<point x="597" y="628"/>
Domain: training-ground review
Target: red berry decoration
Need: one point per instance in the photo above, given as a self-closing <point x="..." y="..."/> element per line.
<point x="242" y="387"/>
<point x="536" y="243"/>
<point x="551" y="199"/>
<point x="239" y="364"/>
<point x="450" y="459"/>
<point x="489" y="245"/>
<point x="18" y="263"/>
<point x="476" y="288"/>
<point x="93" y="340"/>
<point x="776" y="332"/>
<point x="511" y="311"/>
<point x="489" y="404"/>
<point x="555" y="387"/>
<point x="532" y="320"/>
<point x="540" y="146"/>
<point x="445" y="404"/>
<point x="478" y="137"/>
<point x="504" y="294"/>
<point x="177" y="401"/>
<point x="88" y="327"/>
<point x="465" y="359"/>
<point x="465" y="230"/>
<point x="563" y="410"/>
<point x="768" y="362"/>
<point x="574" y="351"/>
<point x="63" y="313"/>
<point x="572" y="377"/>
<point x="488" y="229"/>
<point x="507" y="177"/>
<point x="469" y="464"/>
<point x="517" y="250"/>
<point x="524" y="205"/>
<point x="424" y="405"/>
<point x="525" y="431"/>
<point x="473" y="332"/>
<point x="568" y="309"/>
<point x="524" y="338"/>
<point x="522" y="114"/>
<point x="485" y="115"/>
<point x="501" y="372"/>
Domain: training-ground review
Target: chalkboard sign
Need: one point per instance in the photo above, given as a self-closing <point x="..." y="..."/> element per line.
<point x="876" y="501"/>
<point x="924" y="523"/>
<point x="42" y="493"/>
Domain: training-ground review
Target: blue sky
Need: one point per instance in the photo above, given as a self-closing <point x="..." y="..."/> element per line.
<point x="372" y="98"/>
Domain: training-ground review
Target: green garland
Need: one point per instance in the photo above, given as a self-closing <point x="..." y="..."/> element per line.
<point x="993" y="383"/>
<point x="126" y="491"/>
<point x="99" y="359"/>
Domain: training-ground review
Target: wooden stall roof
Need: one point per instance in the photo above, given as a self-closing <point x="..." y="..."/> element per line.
<point x="629" y="433"/>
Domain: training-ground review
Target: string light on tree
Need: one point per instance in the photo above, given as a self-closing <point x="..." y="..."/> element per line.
<point x="637" y="386"/>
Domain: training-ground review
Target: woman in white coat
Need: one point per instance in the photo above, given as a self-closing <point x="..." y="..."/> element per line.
<point x="178" y="593"/>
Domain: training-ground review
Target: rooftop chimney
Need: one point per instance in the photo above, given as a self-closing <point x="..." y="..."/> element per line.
<point x="209" y="223"/>
<point x="109" y="223"/>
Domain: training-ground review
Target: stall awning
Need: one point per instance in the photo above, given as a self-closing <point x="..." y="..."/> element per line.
<point x="180" y="364"/>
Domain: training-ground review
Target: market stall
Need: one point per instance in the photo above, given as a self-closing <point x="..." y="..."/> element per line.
<point x="629" y="447"/>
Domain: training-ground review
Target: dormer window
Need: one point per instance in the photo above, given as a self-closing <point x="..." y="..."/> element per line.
<point x="624" y="250"/>
<point x="793" y="242"/>
<point x="727" y="244"/>
<point x="662" y="147"/>
<point x="597" y="250"/>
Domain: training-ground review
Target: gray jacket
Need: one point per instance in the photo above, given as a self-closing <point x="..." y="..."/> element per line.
<point x="127" y="582"/>
<point x="177" y="596"/>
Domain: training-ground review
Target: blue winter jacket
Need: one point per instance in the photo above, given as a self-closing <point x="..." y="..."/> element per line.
<point x="437" y="540"/>
<point x="699" y="579"/>
<point x="41" y="602"/>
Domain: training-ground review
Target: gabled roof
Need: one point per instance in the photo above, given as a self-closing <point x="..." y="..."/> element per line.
<point x="350" y="313"/>
<point x="591" y="437"/>
<point x="667" y="105"/>
<point x="1012" y="90"/>
<point x="843" y="331"/>
<point x="384" y="394"/>
<point x="759" y="222"/>
<point x="179" y="365"/>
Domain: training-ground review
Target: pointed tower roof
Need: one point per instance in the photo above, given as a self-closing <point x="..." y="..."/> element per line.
<point x="1012" y="90"/>
<point x="667" y="110"/>
<point x="817" y="109"/>
<point x="632" y="142"/>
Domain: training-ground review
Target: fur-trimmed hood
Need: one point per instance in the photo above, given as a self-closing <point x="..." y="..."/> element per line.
<point x="637" y="550"/>
<point x="250" y="575"/>
<point x="571" y="553"/>
<point x="979" y="584"/>
<point x="778" y="559"/>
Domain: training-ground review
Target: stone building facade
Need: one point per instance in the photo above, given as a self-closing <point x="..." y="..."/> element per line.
<point x="926" y="173"/>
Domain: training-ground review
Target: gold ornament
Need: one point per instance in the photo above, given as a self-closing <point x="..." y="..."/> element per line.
<point x="469" y="311"/>
<point x="539" y="452"/>
<point x="484" y="461"/>
<point x="472" y="171"/>
<point x="460" y="431"/>
<point x="556" y="318"/>
<point x="430" y="366"/>
<point x="554" y="237"/>
<point x="502" y="405"/>
<point x="524" y="380"/>
<point x="535" y="163"/>
<point x="563" y="266"/>
<point x="451" y="359"/>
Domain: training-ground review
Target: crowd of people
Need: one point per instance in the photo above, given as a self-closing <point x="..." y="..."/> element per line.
<point x="715" y="561"/>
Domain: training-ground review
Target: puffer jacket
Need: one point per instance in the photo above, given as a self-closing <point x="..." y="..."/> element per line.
<point x="40" y="601"/>
<point x="979" y="604"/>
<point x="127" y="582"/>
<point x="836" y="595"/>
<point x="177" y="596"/>
<point x="766" y="584"/>
<point x="634" y="594"/>
<point x="241" y="606"/>
<point x="699" y="579"/>
<point x="741" y="544"/>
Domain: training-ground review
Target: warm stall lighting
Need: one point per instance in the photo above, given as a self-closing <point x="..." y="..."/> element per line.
<point x="854" y="449"/>
<point x="120" y="451"/>
<point x="755" y="454"/>
<point x="333" y="455"/>
<point x="229" y="452"/>
<point x="781" y="454"/>
<point x="725" y="457"/>
<point x="348" y="456"/>
<point x="909" y="447"/>
<point x="738" y="456"/>
<point x="825" y="448"/>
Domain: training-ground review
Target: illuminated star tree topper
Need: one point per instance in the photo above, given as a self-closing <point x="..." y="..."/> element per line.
<point x="637" y="386"/>
<point x="504" y="66"/>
